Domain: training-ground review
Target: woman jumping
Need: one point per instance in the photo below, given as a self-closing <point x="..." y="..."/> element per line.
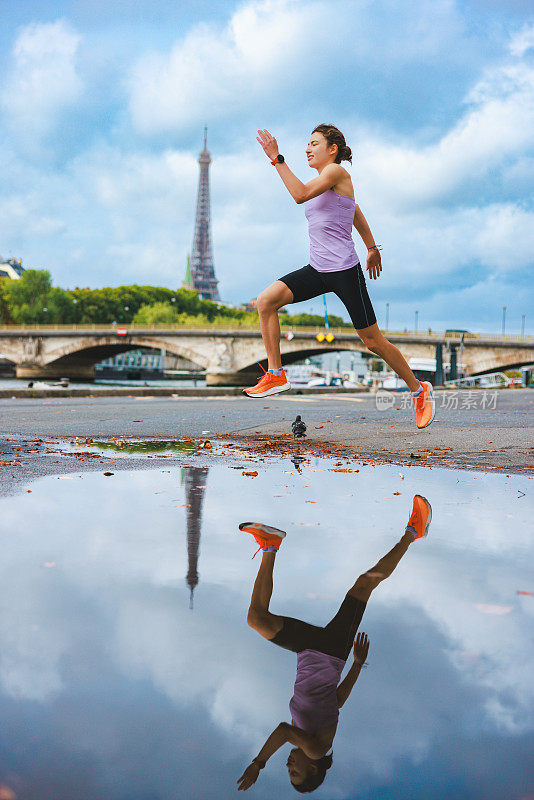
<point x="322" y="653"/>
<point x="334" y="266"/>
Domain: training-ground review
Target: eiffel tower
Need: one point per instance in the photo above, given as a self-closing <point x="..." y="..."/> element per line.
<point x="202" y="269"/>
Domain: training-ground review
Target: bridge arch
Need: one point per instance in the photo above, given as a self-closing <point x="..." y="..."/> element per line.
<point x="88" y="352"/>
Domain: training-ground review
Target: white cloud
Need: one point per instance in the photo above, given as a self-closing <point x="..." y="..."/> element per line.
<point x="497" y="125"/>
<point x="522" y="41"/>
<point x="220" y="72"/>
<point x="42" y="80"/>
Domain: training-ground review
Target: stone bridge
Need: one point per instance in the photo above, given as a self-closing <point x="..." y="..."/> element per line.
<point x="229" y="355"/>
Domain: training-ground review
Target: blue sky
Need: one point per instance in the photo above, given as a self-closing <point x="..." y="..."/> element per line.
<point x="102" y="109"/>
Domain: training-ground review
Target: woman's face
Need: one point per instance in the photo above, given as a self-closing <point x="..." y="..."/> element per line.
<point x="299" y="766"/>
<point x="318" y="152"/>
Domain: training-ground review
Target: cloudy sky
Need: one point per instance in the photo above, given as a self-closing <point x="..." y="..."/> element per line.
<point x="102" y="110"/>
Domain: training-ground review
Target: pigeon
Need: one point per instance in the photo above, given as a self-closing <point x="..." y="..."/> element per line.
<point x="298" y="427"/>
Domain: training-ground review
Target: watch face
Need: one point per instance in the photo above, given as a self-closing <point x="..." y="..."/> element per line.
<point x="280" y="159"/>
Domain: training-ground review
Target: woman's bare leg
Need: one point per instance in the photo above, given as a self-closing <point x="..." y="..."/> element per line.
<point x="377" y="343"/>
<point x="259" y="617"/>
<point x="268" y="302"/>
<point x="382" y="569"/>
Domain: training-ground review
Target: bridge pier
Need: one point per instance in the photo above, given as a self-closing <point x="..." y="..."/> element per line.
<point x="249" y="378"/>
<point x="75" y="372"/>
<point x="453" y="374"/>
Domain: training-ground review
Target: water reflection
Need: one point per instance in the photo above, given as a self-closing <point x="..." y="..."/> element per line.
<point x="111" y="687"/>
<point x="195" y="485"/>
<point x="322" y="653"/>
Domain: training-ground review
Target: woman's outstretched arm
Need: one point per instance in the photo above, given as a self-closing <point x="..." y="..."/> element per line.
<point x="361" y="648"/>
<point x="275" y="741"/>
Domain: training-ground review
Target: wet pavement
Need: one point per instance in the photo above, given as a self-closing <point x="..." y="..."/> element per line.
<point x="490" y="430"/>
<point x="128" y="670"/>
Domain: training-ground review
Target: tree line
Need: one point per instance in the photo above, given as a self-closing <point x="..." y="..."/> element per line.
<point x="33" y="300"/>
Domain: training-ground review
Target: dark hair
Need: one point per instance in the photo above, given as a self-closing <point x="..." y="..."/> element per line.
<point x="334" y="136"/>
<point x="311" y="782"/>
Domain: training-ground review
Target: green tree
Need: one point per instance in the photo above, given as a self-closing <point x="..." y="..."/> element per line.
<point x="28" y="296"/>
<point x="157" y="313"/>
<point x="313" y="320"/>
<point x="5" y="310"/>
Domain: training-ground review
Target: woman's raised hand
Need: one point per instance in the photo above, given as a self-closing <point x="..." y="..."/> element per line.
<point x="268" y="143"/>
<point x="361" y="648"/>
<point x="249" y="777"/>
<point x="374" y="263"/>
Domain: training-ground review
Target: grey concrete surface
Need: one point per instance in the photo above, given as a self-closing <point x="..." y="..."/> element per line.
<point x="496" y="438"/>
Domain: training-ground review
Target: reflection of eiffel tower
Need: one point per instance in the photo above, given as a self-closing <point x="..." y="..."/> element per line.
<point x="195" y="484"/>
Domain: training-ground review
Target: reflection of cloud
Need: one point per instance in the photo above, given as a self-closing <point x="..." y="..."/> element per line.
<point x="498" y="611"/>
<point x="110" y="626"/>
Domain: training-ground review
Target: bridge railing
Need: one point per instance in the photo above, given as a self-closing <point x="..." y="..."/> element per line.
<point x="226" y="325"/>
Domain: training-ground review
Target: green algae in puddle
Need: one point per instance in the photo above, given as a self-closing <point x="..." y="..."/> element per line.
<point x="146" y="447"/>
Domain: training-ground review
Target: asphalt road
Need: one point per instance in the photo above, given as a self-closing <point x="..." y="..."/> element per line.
<point x="493" y="429"/>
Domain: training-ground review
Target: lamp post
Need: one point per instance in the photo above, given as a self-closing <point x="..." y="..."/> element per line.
<point x="387" y="316"/>
<point x="503" y="320"/>
<point x="416" y="315"/>
<point x="523" y="324"/>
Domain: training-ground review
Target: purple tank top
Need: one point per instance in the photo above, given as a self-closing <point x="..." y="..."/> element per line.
<point x="330" y="216"/>
<point x="314" y="705"/>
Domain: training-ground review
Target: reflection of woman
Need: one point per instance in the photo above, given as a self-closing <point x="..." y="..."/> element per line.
<point x="331" y="210"/>
<point x="321" y="655"/>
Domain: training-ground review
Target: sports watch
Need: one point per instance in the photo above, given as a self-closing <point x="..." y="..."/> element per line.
<point x="278" y="160"/>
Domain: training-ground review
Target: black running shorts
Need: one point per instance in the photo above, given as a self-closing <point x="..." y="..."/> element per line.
<point x="347" y="284"/>
<point x="335" y="639"/>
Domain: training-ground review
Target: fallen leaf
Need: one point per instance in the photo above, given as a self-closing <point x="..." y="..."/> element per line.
<point x="107" y="474"/>
<point x="250" y="474"/>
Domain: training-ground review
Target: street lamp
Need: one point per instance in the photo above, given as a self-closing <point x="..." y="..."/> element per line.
<point x="416" y="315"/>
<point x="387" y="316"/>
<point x="503" y="319"/>
<point x="523" y="324"/>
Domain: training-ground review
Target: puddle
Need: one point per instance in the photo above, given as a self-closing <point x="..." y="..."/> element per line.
<point x="130" y="447"/>
<point x="128" y="670"/>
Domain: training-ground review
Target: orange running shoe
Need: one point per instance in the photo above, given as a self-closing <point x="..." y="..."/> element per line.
<point x="424" y="405"/>
<point x="420" y="518"/>
<point x="269" y="384"/>
<point x="265" y="535"/>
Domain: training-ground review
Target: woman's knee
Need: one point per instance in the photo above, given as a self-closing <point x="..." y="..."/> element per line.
<point x="376" y="344"/>
<point x="365" y="584"/>
<point x="264" y="301"/>
<point x="274" y="297"/>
